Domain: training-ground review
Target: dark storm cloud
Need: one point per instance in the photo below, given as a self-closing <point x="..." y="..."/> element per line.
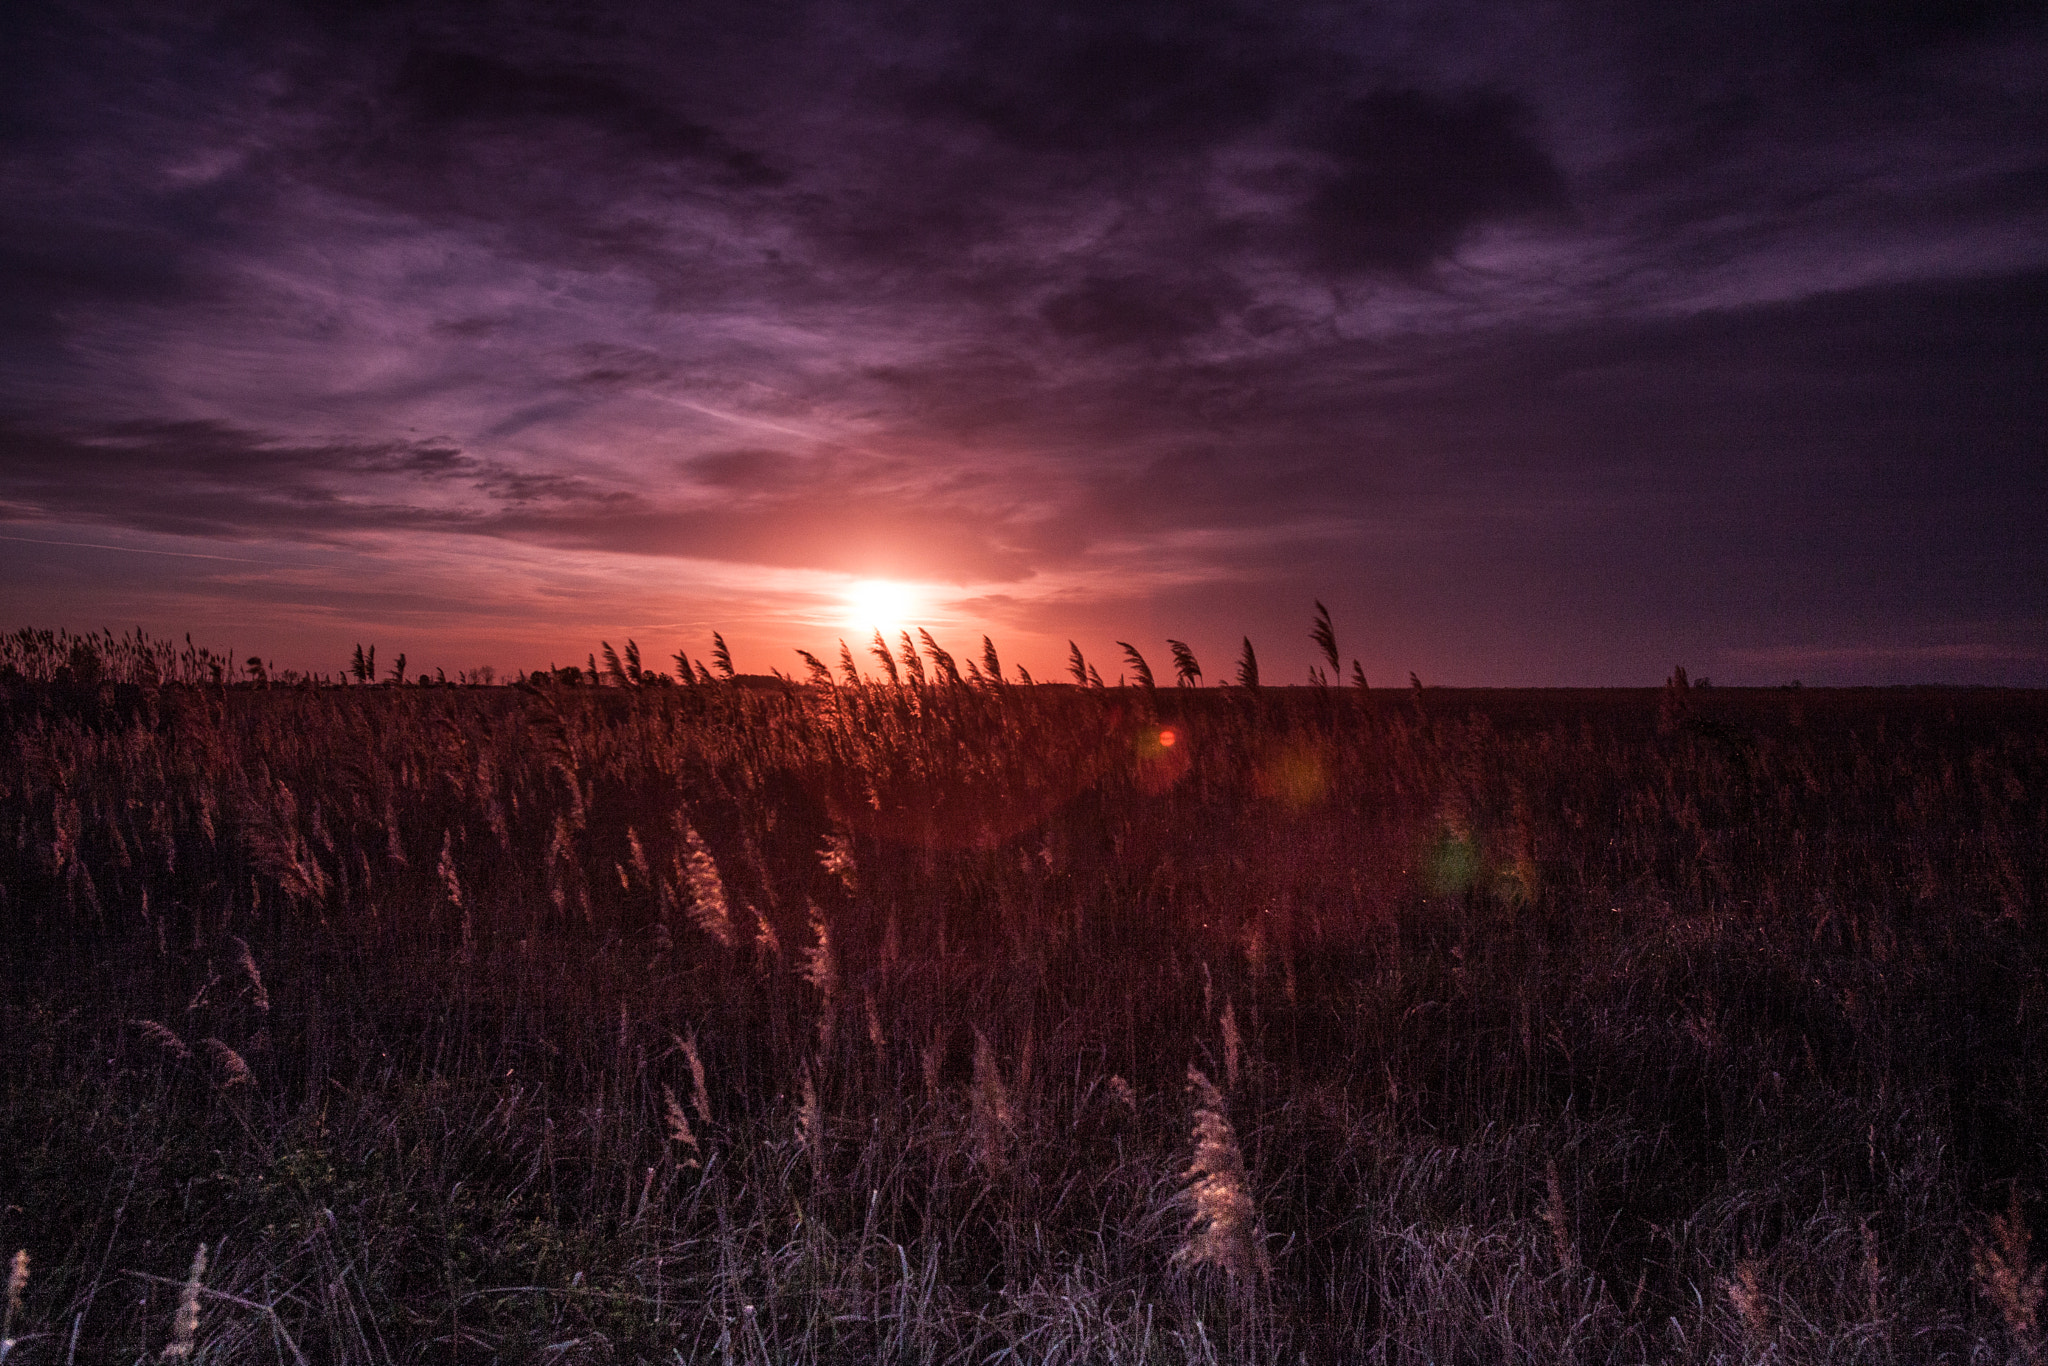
<point x="1540" y="294"/>
<point x="1412" y="171"/>
<point x="1118" y="79"/>
<point x="438" y="93"/>
<point x="208" y="479"/>
<point x="1137" y="310"/>
<point x="205" y="479"/>
<point x="49" y="269"/>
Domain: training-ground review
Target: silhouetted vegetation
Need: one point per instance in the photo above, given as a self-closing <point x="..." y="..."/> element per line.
<point x="938" y="1018"/>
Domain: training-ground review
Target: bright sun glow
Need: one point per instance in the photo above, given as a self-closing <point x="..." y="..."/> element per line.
<point x="878" y="603"/>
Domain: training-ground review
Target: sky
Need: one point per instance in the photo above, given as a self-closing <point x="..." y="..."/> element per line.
<point x="1547" y="343"/>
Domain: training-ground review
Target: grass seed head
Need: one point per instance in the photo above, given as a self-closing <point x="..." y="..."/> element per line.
<point x="679" y="1130"/>
<point x="1745" y="1293"/>
<point x="234" y="1070"/>
<point x="258" y="994"/>
<point x="17" y="1286"/>
<point x="1554" y="1215"/>
<point x="2005" y="1275"/>
<point x="1222" y="1221"/>
<point x="1233" y="1045"/>
<point x="185" y="1326"/>
<point x="708" y="906"/>
<point x="994" y="1119"/>
<point x="166" y="1038"/>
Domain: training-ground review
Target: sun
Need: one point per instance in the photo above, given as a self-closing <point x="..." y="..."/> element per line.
<point x="879" y="604"/>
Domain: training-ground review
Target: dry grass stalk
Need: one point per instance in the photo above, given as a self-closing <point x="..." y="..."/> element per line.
<point x="1746" y="1294"/>
<point x="707" y="892"/>
<point x="679" y="1125"/>
<point x="1233" y="1045"/>
<point x="185" y="1327"/>
<point x="837" y="859"/>
<point x="1554" y="1215"/>
<point x="2000" y="1258"/>
<point x="810" y="1120"/>
<point x="700" y="1094"/>
<point x="451" y="884"/>
<point x="929" y="1059"/>
<point x="994" y="1120"/>
<point x="1222" y="1223"/>
<point x="892" y="944"/>
<point x="451" y="881"/>
<point x="17" y="1286"/>
<point x="258" y="994"/>
<point x="1873" y="1279"/>
<point x="821" y="970"/>
<point x="874" y="1018"/>
<point x="767" y="943"/>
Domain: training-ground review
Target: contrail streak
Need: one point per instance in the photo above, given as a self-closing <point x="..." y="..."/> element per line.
<point x="133" y="550"/>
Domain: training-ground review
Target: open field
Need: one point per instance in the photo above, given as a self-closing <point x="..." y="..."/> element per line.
<point x="965" y="1022"/>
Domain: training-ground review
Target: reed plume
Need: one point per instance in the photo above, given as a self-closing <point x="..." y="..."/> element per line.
<point x="994" y="1121"/>
<point x="836" y="858"/>
<point x="821" y="970"/>
<point x="185" y="1326"/>
<point x="17" y="1287"/>
<point x="2000" y="1258"/>
<point x="1138" y="665"/>
<point x="1325" y="636"/>
<point x="944" y="669"/>
<point x="810" y="1119"/>
<point x="1222" y="1221"/>
<point x="166" y="1038"/>
<point x="1233" y="1044"/>
<point x="880" y="650"/>
<point x="231" y="1064"/>
<point x="700" y="1094"/>
<point x="1554" y="1215"/>
<point x="1745" y="1293"/>
<point x="679" y="1130"/>
<point x="820" y="675"/>
<point x="708" y="908"/>
<point x="767" y="943"/>
<point x="259" y="996"/>
<point x="912" y="665"/>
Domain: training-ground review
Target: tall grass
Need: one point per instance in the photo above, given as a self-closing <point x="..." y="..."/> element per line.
<point x="1680" y="1026"/>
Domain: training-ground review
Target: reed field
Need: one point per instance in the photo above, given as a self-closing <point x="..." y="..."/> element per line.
<point x="918" y="1014"/>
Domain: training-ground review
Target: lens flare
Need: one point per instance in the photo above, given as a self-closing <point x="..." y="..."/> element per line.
<point x="1167" y="738"/>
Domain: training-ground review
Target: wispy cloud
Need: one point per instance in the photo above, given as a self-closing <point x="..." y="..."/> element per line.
<point x="1495" y="325"/>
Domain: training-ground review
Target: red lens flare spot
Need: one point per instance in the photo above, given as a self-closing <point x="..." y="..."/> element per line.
<point x="1167" y="739"/>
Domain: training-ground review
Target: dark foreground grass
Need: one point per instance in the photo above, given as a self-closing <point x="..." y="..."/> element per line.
<point x="1594" y="1027"/>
